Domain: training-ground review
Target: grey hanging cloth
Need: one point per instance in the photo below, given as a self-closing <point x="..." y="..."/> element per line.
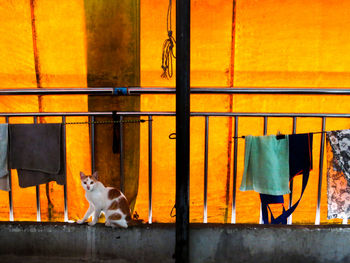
<point x="36" y="151"/>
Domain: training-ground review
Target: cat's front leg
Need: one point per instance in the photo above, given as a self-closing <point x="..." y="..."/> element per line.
<point x="87" y="214"/>
<point x="95" y="217"/>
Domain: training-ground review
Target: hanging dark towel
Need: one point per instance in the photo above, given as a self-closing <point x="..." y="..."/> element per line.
<point x="300" y="154"/>
<point x="300" y="162"/>
<point x="36" y="151"/>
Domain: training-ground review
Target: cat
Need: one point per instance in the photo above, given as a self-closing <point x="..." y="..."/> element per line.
<point x="108" y="200"/>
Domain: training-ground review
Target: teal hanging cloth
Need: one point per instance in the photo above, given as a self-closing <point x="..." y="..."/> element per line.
<point x="266" y="165"/>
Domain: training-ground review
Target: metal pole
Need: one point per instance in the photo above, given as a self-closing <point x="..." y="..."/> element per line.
<point x="64" y="137"/>
<point x="168" y="90"/>
<point x="235" y="149"/>
<point x="265" y="132"/>
<point x="37" y="191"/>
<point x="182" y="129"/>
<point x="10" y="183"/>
<point x="318" y="210"/>
<point x="206" y="137"/>
<point x="170" y="113"/>
<point x="150" y="169"/>
<point x="92" y="141"/>
<point x="122" y="186"/>
<point x="290" y="219"/>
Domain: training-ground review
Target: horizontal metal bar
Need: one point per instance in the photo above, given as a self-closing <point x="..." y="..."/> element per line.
<point x="57" y="91"/>
<point x="169" y="90"/>
<point x="245" y="90"/>
<point x="168" y="113"/>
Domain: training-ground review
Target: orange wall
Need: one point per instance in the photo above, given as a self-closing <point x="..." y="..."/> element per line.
<point x="277" y="44"/>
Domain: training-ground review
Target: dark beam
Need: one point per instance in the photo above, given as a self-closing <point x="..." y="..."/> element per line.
<point x="182" y="130"/>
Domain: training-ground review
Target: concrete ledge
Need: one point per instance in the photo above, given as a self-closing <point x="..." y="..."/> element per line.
<point x="55" y="242"/>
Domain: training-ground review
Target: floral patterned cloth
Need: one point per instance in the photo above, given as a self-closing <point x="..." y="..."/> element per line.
<point x="338" y="174"/>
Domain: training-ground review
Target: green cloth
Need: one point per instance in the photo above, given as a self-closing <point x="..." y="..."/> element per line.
<point x="266" y="165"/>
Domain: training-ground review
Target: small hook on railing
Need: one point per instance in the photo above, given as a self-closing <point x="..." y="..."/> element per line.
<point x="172" y="136"/>
<point x="172" y="210"/>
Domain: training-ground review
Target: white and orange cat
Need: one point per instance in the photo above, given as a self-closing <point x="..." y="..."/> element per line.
<point x="108" y="200"/>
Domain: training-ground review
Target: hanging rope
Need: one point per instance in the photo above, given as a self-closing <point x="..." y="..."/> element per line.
<point x="168" y="48"/>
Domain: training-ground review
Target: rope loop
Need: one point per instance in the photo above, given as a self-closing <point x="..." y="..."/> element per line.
<point x="168" y="48"/>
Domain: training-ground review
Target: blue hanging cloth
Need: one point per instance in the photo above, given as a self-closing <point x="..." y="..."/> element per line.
<point x="300" y="162"/>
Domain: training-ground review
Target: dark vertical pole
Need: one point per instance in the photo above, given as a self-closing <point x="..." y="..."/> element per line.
<point x="182" y="129"/>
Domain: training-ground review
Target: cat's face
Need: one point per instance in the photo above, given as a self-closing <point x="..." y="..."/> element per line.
<point x="88" y="182"/>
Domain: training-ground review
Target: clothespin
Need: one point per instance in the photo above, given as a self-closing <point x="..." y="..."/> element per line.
<point x="280" y="136"/>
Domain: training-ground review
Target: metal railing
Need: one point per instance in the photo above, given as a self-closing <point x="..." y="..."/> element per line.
<point x="167" y="90"/>
<point x="206" y="116"/>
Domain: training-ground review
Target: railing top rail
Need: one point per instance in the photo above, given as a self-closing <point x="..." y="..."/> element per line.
<point x="171" y="113"/>
<point x="169" y="90"/>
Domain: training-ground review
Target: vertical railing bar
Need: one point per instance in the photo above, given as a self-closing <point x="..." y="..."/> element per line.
<point x="265" y="132"/>
<point x="206" y="138"/>
<point x="10" y="183"/>
<point x="121" y="154"/>
<point x="235" y="148"/>
<point x="290" y="219"/>
<point x="318" y="210"/>
<point x="65" y="168"/>
<point x="150" y="169"/>
<point x="92" y="142"/>
<point x="37" y="190"/>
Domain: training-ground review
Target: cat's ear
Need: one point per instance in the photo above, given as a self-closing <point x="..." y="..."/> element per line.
<point x="95" y="175"/>
<point x="82" y="175"/>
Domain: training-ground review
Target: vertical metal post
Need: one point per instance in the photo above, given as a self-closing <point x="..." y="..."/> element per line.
<point x="265" y="132"/>
<point x="37" y="191"/>
<point x="121" y="154"/>
<point x="64" y="145"/>
<point x="290" y="219"/>
<point x="150" y="169"/>
<point x="10" y="183"/>
<point x="183" y="21"/>
<point x="205" y="210"/>
<point x="235" y="149"/>
<point x="265" y="125"/>
<point x="92" y="142"/>
<point x="318" y="215"/>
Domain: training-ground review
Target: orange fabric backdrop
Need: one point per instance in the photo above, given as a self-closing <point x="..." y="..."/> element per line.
<point x="277" y="44"/>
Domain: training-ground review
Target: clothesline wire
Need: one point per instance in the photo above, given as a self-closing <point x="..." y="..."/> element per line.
<point x="242" y="137"/>
<point x="106" y="122"/>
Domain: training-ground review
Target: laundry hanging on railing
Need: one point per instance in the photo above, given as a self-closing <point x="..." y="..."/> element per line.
<point x="4" y="177"/>
<point x="338" y="174"/>
<point x="300" y="162"/>
<point x="270" y="163"/>
<point x="36" y="151"/>
<point x="266" y="168"/>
